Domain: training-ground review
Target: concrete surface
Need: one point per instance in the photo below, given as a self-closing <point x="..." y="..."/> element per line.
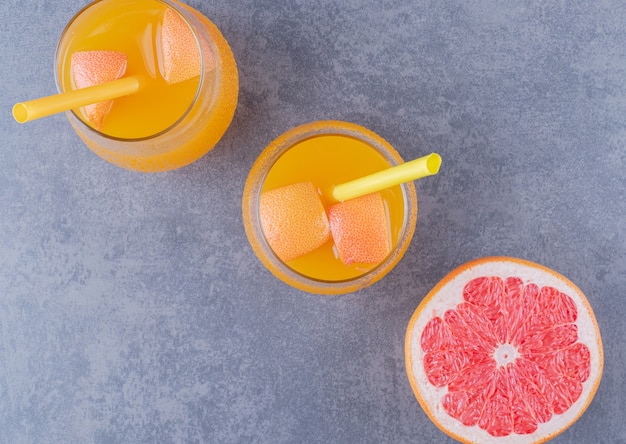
<point x="132" y="308"/>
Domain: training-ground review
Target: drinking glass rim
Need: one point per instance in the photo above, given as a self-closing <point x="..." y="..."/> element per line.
<point x="252" y="193"/>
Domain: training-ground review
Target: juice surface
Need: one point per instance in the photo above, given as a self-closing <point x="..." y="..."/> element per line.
<point x="326" y="161"/>
<point x="132" y="27"/>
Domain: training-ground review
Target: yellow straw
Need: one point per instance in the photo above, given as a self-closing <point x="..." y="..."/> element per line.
<point x="46" y="106"/>
<point x="406" y="172"/>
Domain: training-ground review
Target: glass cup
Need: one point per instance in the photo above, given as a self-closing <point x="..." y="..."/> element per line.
<point x="202" y="123"/>
<point x="308" y="135"/>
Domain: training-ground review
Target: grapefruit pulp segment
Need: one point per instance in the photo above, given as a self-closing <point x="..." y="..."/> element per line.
<point x="293" y="220"/>
<point x="90" y="68"/>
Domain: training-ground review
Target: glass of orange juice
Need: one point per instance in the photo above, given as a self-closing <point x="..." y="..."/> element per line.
<point x="172" y="120"/>
<point x="328" y="153"/>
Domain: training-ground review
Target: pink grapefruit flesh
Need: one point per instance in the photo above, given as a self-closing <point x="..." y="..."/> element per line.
<point x="504" y="350"/>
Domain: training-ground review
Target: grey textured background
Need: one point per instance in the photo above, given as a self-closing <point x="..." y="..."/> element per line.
<point x="132" y="308"/>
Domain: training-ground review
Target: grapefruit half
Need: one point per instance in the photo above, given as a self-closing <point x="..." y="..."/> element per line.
<point x="504" y="350"/>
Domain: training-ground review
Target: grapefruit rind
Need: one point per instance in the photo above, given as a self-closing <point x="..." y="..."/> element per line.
<point x="446" y="295"/>
<point x="360" y="229"/>
<point x="181" y="54"/>
<point x="90" y="68"/>
<point x="293" y="220"/>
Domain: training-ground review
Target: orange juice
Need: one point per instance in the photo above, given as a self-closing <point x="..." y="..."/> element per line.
<point x="328" y="153"/>
<point x="164" y="125"/>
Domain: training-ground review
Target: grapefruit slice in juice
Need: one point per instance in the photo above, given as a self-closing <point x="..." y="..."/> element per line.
<point x="90" y="68"/>
<point x="181" y="55"/>
<point x="360" y="229"/>
<point x="504" y="350"/>
<point x="293" y="220"/>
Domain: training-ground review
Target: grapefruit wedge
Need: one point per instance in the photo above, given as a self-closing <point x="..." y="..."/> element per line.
<point x="181" y="55"/>
<point x="504" y="350"/>
<point x="90" y="68"/>
<point x="360" y="229"/>
<point x="293" y="220"/>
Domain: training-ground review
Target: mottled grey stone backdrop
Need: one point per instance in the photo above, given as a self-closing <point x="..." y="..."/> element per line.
<point x="132" y="308"/>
